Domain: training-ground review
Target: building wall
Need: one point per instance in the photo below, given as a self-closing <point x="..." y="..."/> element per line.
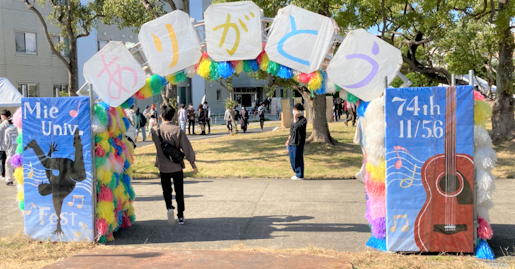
<point x="42" y="68"/>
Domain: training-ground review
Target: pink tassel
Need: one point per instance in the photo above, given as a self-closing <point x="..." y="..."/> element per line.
<point x="478" y="96"/>
<point x="484" y="231"/>
<point x="305" y="78"/>
<point x="100" y="152"/>
<point x="102" y="227"/>
<point x="126" y="222"/>
<point x="105" y="194"/>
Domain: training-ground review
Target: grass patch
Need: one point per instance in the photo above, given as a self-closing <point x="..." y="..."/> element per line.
<point x="20" y="251"/>
<point x="263" y="155"/>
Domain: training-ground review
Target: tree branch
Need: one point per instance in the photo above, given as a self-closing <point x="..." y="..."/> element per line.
<point x="172" y="4"/>
<point x="150" y="8"/>
<point x="47" y="34"/>
<point x="86" y="24"/>
<point x="383" y="11"/>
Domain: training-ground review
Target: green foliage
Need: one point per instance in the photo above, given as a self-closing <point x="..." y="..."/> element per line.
<point x="230" y="103"/>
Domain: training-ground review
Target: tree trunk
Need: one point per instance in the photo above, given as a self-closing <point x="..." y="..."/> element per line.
<point x="320" y="132"/>
<point x="503" y="122"/>
<point x="73" y="70"/>
<point x="233" y="122"/>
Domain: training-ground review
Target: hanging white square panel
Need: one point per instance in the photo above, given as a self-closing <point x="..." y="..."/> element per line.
<point x="114" y="73"/>
<point x="170" y="43"/>
<point x="233" y="31"/>
<point x="361" y="64"/>
<point x="300" y="39"/>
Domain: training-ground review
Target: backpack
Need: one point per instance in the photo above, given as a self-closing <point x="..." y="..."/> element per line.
<point x="262" y="113"/>
<point x="143" y="120"/>
<point x="172" y="153"/>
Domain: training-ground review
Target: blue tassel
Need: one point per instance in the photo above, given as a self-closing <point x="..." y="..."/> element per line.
<point x="126" y="166"/>
<point x="163" y="80"/>
<point x="379" y="244"/>
<point x="254" y="65"/>
<point x="127" y="123"/>
<point x="104" y="105"/>
<point x="285" y="72"/>
<point x="128" y="103"/>
<point x="225" y="69"/>
<point x="484" y="251"/>
<point x="322" y="89"/>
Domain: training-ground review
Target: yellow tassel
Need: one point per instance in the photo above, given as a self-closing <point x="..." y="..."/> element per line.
<point x="264" y="63"/>
<point x="204" y="68"/>
<point x="482" y="113"/>
<point x="110" y="237"/>
<point x="131" y="209"/>
<point x="104" y="136"/>
<point x="377" y="173"/>
<point x="105" y="210"/>
<point x="315" y="82"/>
<point x="296" y="78"/>
<point x="20" y="196"/>
<point x="129" y="171"/>
<point x="239" y="67"/>
<point x="18" y="175"/>
<point x="171" y="79"/>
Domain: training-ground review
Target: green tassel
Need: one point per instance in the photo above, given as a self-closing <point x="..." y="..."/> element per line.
<point x="337" y="88"/>
<point x="214" y="75"/>
<point x="21" y="205"/>
<point x="180" y="77"/>
<point x="312" y="94"/>
<point x="133" y="218"/>
<point x="246" y="66"/>
<point x="273" y="68"/>
<point x="19" y="149"/>
<point x="101" y="114"/>
<point x="351" y="98"/>
<point x="156" y="84"/>
<point x="102" y="240"/>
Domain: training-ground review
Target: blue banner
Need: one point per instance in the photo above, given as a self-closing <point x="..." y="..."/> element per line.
<point x="57" y="169"/>
<point x="422" y="213"/>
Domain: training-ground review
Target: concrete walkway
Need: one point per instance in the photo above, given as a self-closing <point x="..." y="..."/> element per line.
<point x="273" y="213"/>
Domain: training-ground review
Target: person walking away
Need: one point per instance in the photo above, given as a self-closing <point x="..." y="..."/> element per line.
<point x="261" y="113"/>
<point x="202" y="114"/>
<point x="169" y="170"/>
<point x="183" y="118"/>
<point x="191" y="118"/>
<point x="351" y="113"/>
<point x="208" y="117"/>
<point x="340" y="108"/>
<point x="296" y="141"/>
<point x="5" y="115"/>
<point x="139" y="123"/>
<point x="129" y="112"/>
<point x="335" y="110"/>
<point x="236" y="115"/>
<point x="244" y="116"/>
<point x="152" y="115"/>
<point x="227" y="119"/>
<point x="10" y="137"/>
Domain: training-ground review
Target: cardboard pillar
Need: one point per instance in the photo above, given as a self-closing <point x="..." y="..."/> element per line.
<point x="285" y="114"/>
<point x="329" y="108"/>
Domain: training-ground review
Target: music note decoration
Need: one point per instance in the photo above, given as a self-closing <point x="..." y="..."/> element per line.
<point x="404" y="228"/>
<point x="81" y="197"/>
<point x="410" y="180"/>
<point x="75" y="113"/>
<point x="398" y="163"/>
<point x="32" y="205"/>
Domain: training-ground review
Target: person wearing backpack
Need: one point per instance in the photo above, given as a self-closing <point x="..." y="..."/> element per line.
<point x="261" y="113"/>
<point x="170" y="139"/>
<point x="139" y="123"/>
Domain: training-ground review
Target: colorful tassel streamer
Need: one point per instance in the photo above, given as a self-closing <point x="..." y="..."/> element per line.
<point x="351" y="98"/>
<point x="379" y="244"/>
<point x="484" y="251"/>
<point x="285" y="72"/>
<point x="482" y="113"/>
<point x="478" y="96"/>
<point x="273" y="68"/>
<point x="17" y="118"/>
<point x="225" y="69"/>
<point x="484" y="231"/>
<point x="315" y="82"/>
<point x="214" y="75"/>
<point x="204" y="68"/>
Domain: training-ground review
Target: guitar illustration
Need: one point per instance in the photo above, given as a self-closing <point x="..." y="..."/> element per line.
<point x="445" y="222"/>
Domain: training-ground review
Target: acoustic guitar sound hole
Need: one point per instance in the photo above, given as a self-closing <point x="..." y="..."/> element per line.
<point x="450" y="184"/>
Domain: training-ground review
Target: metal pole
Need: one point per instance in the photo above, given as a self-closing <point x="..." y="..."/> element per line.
<point x="453" y="80"/>
<point x="385" y="82"/>
<point x="476" y="223"/>
<point x="471" y="77"/>
<point x="93" y="170"/>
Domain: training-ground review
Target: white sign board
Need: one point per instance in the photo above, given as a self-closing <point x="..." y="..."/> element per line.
<point x="300" y="39"/>
<point x="170" y="43"/>
<point x="361" y="64"/>
<point x="233" y="31"/>
<point x="114" y="73"/>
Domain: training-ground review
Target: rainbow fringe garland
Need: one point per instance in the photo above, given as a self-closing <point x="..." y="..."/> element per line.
<point x="212" y="71"/>
<point x="113" y="160"/>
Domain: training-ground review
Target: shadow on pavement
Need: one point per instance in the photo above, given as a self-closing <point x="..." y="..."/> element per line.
<point x="136" y="255"/>
<point x="222" y="229"/>
<point x="160" y="198"/>
<point x="503" y="241"/>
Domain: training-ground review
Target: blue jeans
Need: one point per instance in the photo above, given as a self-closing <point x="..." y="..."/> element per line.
<point x="143" y="133"/>
<point x="183" y="126"/>
<point x="297" y="160"/>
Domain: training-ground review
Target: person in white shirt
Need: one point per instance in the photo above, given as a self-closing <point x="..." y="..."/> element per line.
<point x="183" y="119"/>
<point x="227" y="119"/>
<point x="208" y="118"/>
<point x="5" y="115"/>
<point x="130" y="114"/>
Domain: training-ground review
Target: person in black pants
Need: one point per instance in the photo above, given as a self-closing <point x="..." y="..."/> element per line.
<point x="169" y="170"/>
<point x="5" y="115"/>
<point x="296" y="141"/>
<point x="208" y="117"/>
<point x="191" y="118"/>
<point x="261" y="113"/>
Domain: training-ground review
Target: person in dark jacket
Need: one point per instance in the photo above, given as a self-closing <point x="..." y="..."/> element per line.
<point x="202" y="117"/>
<point x="191" y="117"/>
<point x="296" y="142"/>
<point x="139" y="123"/>
<point x="244" y="116"/>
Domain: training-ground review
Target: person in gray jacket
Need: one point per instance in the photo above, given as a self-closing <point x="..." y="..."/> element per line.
<point x="5" y="115"/>
<point x="10" y="137"/>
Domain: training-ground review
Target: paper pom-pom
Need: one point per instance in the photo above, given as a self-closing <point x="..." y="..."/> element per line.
<point x="254" y="66"/>
<point x="16" y="160"/>
<point x="126" y="221"/>
<point x="330" y="87"/>
<point x="204" y="68"/>
<point x="285" y="72"/>
<point x="96" y="125"/>
<point x="351" y="98"/>
<point x="128" y="103"/>
<point x="102" y="227"/>
<point x="263" y="65"/>
<point x="484" y="251"/>
<point x="362" y="108"/>
<point x="101" y="113"/>
<point x="374" y="188"/>
<point x="481" y="137"/>
<point x="484" y="231"/>
<point x="156" y="84"/>
<point x="18" y="175"/>
<point x="21" y="205"/>
<point x="105" y="194"/>
<point x="225" y="69"/>
<point x="273" y="68"/>
<point x="379" y="228"/>
<point x="482" y="113"/>
<point x="190" y="71"/>
<point x="238" y="66"/>
<point x="379" y="244"/>
<point x="485" y="158"/>
<point x="180" y="77"/>
<point x="377" y="172"/>
<point x="478" y="96"/>
<point x="316" y="81"/>
<point x="17" y="118"/>
<point x="485" y="185"/>
<point x="377" y="207"/>
<point x="105" y="210"/>
<point x="305" y="78"/>
<point x="259" y="59"/>
<point x="246" y="66"/>
<point x="214" y="75"/>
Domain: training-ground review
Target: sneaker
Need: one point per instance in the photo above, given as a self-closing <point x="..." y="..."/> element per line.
<point x="10" y="183"/>
<point x="180" y="221"/>
<point x="297" y="178"/>
<point x="171" y="217"/>
<point x="360" y="178"/>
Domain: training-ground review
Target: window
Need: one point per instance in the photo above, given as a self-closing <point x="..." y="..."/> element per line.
<point x="102" y="43"/>
<point x="64" y="46"/>
<point x="26" y="42"/>
<point x="29" y="89"/>
<point x="61" y="90"/>
<point x="219" y="95"/>
<point x="282" y="93"/>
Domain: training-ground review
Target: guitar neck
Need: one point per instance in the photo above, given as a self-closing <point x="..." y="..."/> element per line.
<point x="450" y="131"/>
